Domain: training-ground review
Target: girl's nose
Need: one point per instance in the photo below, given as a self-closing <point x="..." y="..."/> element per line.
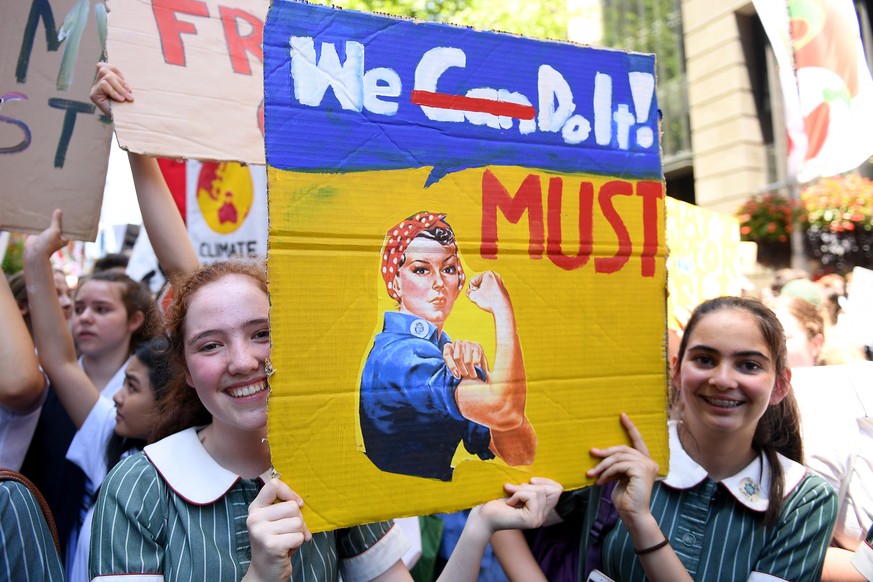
<point x="723" y="377"/>
<point x="243" y="360"/>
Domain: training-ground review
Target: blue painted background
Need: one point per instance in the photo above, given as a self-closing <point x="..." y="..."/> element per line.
<point x="328" y="138"/>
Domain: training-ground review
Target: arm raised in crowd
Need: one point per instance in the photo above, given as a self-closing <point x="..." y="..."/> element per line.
<point x="515" y="556"/>
<point x="57" y="352"/>
<point x="23" y="383"/>
<point x="163" y="223"/>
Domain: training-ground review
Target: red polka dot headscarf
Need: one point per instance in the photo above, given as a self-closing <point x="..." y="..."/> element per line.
<point x="398" y="238"/>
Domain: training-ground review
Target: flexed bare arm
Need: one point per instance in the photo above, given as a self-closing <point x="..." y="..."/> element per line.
<point x="499" y="401"/>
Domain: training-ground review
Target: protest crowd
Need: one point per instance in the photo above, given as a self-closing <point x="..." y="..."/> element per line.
<point x="100" y="416"/>
<point x="133" y="432"/>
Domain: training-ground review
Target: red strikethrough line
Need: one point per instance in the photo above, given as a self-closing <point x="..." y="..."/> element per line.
<point x="475" y="104"/>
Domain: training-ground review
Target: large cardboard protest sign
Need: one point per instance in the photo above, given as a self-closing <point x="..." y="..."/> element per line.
<point x="196" y="69"/>
<point x="54" y="144"/>
<point x="440" y="195"/>
<point x="704" y="259"/>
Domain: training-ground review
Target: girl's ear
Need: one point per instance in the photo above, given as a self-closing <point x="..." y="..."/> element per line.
<point x="817" y="344"/>
<point x="781" y="387"/>
<point x="395" y="284"/>
<point x="135" y="321"/>
<point x="674" y="370"/>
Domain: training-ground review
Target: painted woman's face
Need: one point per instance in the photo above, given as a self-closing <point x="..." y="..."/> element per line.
<point x="429" y="281"/>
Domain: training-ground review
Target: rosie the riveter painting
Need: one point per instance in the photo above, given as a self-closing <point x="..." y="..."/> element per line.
<point x="466" y="260"/>
<point x="421" y="392"/>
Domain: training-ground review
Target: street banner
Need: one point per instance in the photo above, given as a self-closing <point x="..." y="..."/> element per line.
<point x="826" y="84"/>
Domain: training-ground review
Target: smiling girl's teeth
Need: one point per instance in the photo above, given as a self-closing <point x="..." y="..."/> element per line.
<point x="724" y="403"/>
<point x="247" y="390"/>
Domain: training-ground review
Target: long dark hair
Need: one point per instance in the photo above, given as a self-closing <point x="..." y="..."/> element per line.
<point x="155" y="356"/>
<point x="181" y="408"/>
<point x="778" y="430"/>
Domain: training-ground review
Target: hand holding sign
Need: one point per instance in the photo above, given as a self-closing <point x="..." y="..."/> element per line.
<point x="277" y="531"/>
<point x="109" y="86"/>
<point x="49" y="240"/>
<point x="528" y="505"/>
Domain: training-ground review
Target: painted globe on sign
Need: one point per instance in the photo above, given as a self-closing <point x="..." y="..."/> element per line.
<point x="224" y="195"/>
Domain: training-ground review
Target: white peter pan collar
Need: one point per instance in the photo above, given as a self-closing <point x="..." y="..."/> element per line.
<point x="751" y="486"/>
<point x="189" y="470"/>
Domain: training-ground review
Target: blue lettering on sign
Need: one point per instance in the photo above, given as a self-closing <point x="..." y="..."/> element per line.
<point x="348" y="91"/>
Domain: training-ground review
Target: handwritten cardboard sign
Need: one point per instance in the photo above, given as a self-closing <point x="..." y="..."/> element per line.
<point x="196" y="70"/>
<point x="54" y="144"/>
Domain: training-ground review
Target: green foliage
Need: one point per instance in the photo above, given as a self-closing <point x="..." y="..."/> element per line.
<point x="13" y="260"/>
<point x="421" y="9"/>
<point x="655" y="26"/>
<point x="647" y="26"/>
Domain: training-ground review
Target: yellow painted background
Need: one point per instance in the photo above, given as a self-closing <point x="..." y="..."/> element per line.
<point x="593" y="344"/>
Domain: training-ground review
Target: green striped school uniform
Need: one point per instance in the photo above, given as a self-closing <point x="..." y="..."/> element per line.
<point x="716" y="529"/>
<point x="172" y="513"/>
<point x="27" y="549"/>
<point x="863" y="558"/>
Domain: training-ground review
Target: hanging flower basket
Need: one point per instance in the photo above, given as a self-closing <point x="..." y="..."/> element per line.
<point x="769" y="220"/>
<point x="839" y="222"/>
